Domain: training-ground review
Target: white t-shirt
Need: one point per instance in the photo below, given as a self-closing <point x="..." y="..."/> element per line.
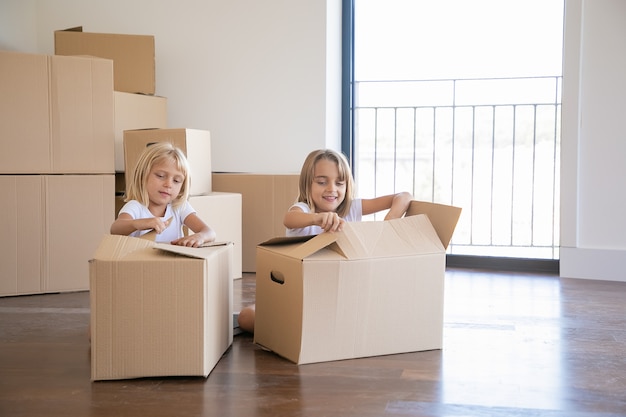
<point x="172" y="232"/>
<point x="355" y="214"/>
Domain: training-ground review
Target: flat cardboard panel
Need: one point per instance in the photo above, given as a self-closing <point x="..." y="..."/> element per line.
<point x="156" y="312"/>
<point x="343" y="296"/>
<point x="265" y="199"/>
<point x="21" y="249"/>
<point x="24" y="113"/>
<point x="222" y="212"/>
<point x="51" y="226"/>
<point x="79" y="211"/>
<point x="82" y="115"/>
<point x="133" y="55"/>
<point x="53" y="109"/>
<point x="196" y="144"/>
<point x="136" y="111"/>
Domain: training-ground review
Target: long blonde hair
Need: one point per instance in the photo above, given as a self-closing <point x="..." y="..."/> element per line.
<point x="152" y="155"/>
<point x="307" y="176"/>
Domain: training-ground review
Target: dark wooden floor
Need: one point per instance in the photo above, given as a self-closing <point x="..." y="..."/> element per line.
<point x="514" y="345"/>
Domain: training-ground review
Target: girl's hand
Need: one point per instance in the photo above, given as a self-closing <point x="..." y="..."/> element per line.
<point x="329" y="221"/>
<point x="202" y="233"/>
<point x="155" y="223"/>
<point x="192" y="241"/>
<point x="399" y="205"/>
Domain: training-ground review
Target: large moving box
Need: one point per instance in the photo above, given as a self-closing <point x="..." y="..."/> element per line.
<point x="376" y="288"/>
<point x="195" y="144"/>
<point x="53" y="108"/>
<point x="51" y="225"/>
<point x="132" y="55"/>
<point x="158" y="309"/>
<point x="265" y="200"/>
<point x="136" y="111"/>
<point x="222" y="212"/>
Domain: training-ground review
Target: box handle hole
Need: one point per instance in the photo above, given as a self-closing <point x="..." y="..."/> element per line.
<point x="278" y="277"/>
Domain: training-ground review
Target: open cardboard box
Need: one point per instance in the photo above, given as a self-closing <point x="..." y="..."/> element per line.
<point x="375" y="288"/>
<point x="159" y="309"/>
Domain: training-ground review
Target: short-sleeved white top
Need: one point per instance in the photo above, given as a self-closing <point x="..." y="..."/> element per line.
<point x="174" y="230"/>
<point x="354" y="215"/>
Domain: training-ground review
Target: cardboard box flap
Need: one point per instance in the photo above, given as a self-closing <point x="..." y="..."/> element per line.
<point x="399" y="237"/>
<point x="282" y="240"/>
<point x="313" y="245"/>
<point x="200" y="253"/>
<point x="443" y="218"/>
<point x="114" y="247"/>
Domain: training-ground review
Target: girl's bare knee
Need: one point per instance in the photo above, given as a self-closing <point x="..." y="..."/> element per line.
<point x="246" y="319"/>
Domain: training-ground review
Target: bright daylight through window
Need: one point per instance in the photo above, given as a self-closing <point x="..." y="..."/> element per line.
<point x="459" y="101"/>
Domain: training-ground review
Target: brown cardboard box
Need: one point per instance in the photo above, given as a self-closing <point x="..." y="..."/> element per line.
<point x="376" y="288"/>
<point x="158" y="309"/>
<point x="196" y="144"/>
<point x="53" y="108"/>
<point x="51" y="226"/>
<point x="133" y="55"/>
<point x="136" y="111"/>
<point x="265" y="200"/>
<point x="222" y="211"/>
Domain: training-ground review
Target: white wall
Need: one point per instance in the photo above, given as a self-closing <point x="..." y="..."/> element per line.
<point x="254" y="73"/>
<point x="18" y="26"/>
<point x="593" y="198"/>
<point x="263" y="77"/>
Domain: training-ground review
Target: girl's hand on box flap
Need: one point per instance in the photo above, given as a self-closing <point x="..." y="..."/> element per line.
<point x="193" y="241"/>
<point x="329" y="221"/>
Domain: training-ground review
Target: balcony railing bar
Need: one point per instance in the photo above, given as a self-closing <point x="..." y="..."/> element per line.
<point x="463" y="147"/>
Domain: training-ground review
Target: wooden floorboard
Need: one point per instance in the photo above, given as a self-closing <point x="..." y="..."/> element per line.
<point x="514" y="345"/>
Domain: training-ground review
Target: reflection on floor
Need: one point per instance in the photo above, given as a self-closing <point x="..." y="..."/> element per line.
<point x="514" y="345"/>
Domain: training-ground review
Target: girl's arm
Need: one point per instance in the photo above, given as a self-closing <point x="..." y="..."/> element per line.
<point x="295" y="218"/>
<point x="397" y="204"/>
<point x="202" y="233"/>
<point x="125" y="224"/>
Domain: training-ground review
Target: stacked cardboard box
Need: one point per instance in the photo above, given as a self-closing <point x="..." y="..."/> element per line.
<point x="136" y="111"/>
<point x="136" y="105"/>
<point x="56" y="126"/>
<point x="265" y="199"/>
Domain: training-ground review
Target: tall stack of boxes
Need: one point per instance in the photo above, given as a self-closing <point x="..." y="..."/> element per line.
<point x="56" y="126"/>
<point x="157" y="309"/>
<point x="135" y="104"/>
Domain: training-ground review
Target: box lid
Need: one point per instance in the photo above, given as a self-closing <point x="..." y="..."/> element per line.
<point x="116" y="247"/>
<point x="201" y="252"/>
<point x="359" y="240"/>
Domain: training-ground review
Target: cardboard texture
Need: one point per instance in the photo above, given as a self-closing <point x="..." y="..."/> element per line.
<point x="265" y="200"/>
<point x="376" y="288"/>
<point x="196" y="145"/>
<point x="136" y="111"/>
<point x="158" y="309"/>
<point x="133" y="55"/>
<point x="47" y="239"/>
<point x="222" y="211"/>
<point x="53" y="108"/>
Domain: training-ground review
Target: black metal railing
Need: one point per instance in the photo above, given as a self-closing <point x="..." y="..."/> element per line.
<point x="490" y="146"/>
